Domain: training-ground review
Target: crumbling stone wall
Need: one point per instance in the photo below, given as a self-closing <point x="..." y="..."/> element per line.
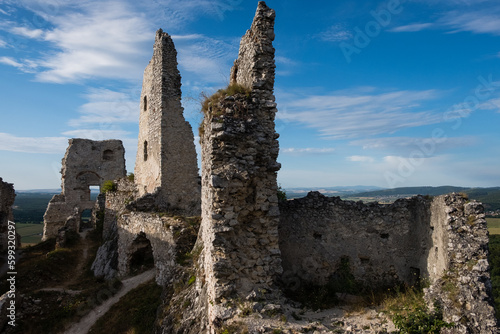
<point x="383" y="244"/>
<point x="458" y="265"/>
<point x="128" y="230"/>
<point x="442" y="239"/>
<point x="166" y="157"/>
<point x="86" y="163"/>
<point x="240" y="214"/>
<point x="7" y="197"/>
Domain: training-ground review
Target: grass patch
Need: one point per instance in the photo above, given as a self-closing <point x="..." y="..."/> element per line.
<point x="493" y="225"/>
<point x="135" y="313"/>
<point x="30" y="233"/>
<point x="216" y="105"/>
<point x="211" y="102"/>
<point x="43" y="266"/>
<point x="410" y="314"/>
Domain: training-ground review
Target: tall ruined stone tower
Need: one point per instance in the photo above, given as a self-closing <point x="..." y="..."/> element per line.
<point x="240" y="213"/>
<point x="166" y="156"/>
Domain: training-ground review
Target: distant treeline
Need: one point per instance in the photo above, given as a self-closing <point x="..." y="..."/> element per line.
<point x="30" y="207"/>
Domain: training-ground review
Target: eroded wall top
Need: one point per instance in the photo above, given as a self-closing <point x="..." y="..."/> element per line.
<point x="90" y="163"/>
<point x="255" y="68"/>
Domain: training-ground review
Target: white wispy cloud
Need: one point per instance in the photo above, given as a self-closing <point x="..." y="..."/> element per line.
<point x="336" y="33"/>
<point x="206" y="57"/>
<point x="3" y="43"/>
<point x="479" y="22"/>
<point x="492" y="104"/>
<point x="14" y="143"/>
<point x="309" y="150"/>
<point x="26" y="32"/>
<point x="360" y="113"/>
<point x="360" y="158"/>
<point x="412" y="27"/>
<point x="104" y="41"/>
<point x="405" y="145"/>
<point x="285" y="61"/>
<point x="10" y="61"/>
<point x="113" y="39"/>
<point x="95" y="134"/>
<point x="26" y="65"/>
<point x="107" y="108"/>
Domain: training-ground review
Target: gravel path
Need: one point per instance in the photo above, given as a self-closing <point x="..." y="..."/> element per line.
<point x="89" y="320"/>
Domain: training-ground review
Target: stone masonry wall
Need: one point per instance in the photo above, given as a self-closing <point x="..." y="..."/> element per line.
<point x="130" y="225"/>
<point x="458" y="265"/>
<point x="166" y="157"/>
<point x="384" y="244"/>
<point x="7" y="197"/>
<point x="444" y="240"/>
<point x="86" y="163"/>
<point x="240" y="214"/>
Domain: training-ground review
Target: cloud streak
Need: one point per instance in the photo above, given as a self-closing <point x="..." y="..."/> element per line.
<point x="360" y="158"/>
<point x="479" y="22"/>
<point x="113" y="39"/>
<point x="336" y="33"/>
<point x="107" y="108"/>
<point x="351" y="114"/>
<point x="13" y="143"/>
<point x="412" y="27"/>
<point x="307" y="151"/>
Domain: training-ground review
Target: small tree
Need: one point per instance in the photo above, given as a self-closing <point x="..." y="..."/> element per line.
<point x="108" y="185"/>
<point x="281" y="194"/>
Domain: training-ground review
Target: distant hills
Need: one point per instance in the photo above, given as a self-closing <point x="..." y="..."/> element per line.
<point x="330" y="191"/>
<point x="490" y="197"/>
<point x="30" y="205"/>
<point x="432" y="191"/>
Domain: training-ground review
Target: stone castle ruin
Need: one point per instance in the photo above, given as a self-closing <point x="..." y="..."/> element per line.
<point x="166" y="157"/>
<point x="240" y="214"/>
<point x="86" y="163"/>
<point x="247" y="246"/>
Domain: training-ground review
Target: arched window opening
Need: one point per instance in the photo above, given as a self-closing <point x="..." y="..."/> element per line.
<point x="108" y="155"/>
<point x="145" y="150"/>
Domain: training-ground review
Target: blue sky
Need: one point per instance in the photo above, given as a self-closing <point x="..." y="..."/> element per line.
<point x="386" y="93"/>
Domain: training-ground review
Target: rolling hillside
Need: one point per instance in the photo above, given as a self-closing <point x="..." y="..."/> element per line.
<point x="490" y="197"/>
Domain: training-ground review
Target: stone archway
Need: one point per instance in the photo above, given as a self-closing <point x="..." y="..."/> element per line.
<point x="141" y="257"/>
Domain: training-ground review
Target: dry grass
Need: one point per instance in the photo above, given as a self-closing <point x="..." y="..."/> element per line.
<point x="134" y="314"/>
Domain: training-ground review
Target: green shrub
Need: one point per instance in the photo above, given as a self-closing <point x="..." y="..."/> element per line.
<point x="131" y="177"/>
<point x="281" y="194"/>
<point x="420" y="320"/>
<point x="109" y="186"/>
<point x="410" y="314"/>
